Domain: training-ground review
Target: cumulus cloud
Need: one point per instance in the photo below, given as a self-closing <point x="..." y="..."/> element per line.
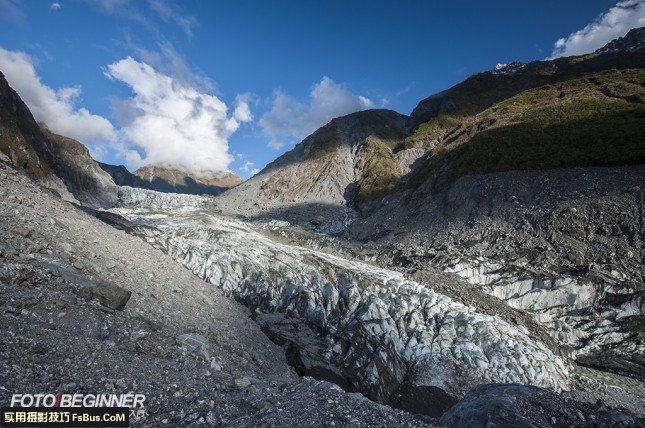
<point x="170" y="123"/>
<point x="57" y="108"/>
<point x="291" y="119"/>
<point x="614" y="23"/>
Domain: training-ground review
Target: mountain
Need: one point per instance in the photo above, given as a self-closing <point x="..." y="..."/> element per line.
<point x="84" y="178"/>
<point x="343" y="164"/>
<point x="121" y="175"/>
<point x="168" y="179"/>
<point x="20" y="136"/>
<point x="534" y="195"/>
<point x="632" y="41"/>
<point x="67" y="167"/>
<point x="594" y="120"/>
<point x="480" y="91"/>
<point x="171" y="180"/>
<point x="527" y="181"/>
<point x="574" y="111"/>
<point x="569" y="112"/>
<point x="60" y="163"/>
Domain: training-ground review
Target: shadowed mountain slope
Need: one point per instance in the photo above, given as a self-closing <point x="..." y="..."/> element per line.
<point x="60" y="163"/>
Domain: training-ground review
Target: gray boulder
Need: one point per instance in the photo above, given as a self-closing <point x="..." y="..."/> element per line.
<point x="110" y="295"/>
<point x="195" y="344"/>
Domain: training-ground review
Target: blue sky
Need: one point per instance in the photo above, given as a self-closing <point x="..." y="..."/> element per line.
<point x="217" y="85"/>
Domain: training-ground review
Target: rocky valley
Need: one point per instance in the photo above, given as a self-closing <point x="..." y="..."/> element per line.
<point x="477" y="263"/>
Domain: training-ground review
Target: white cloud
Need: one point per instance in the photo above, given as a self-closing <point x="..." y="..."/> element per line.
<point x="242" y="110"/>
<point x="291" y="119"/>
<point x="111" y="6"/>
<point x="168" y="61"/>
<point x="56" y="108"/>
<point x="55" y="6"/>
<point x="11" y="11"/>
<point x="148" y="14"/>
<point x="246" y="167"/>
<point x="168" y="13"/>
<point x="123" y="8"/>
<point x="276" y="144"/>
<point x="614" y="23"/>
<point x="171" y="123"/>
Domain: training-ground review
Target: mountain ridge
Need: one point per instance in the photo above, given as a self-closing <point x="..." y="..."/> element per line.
<point x="56" y="162"/>
<point x="341" y="164"/>
<point x="492" y="86"/>
<point x="345" y="182"/>
<point x="171" y="180"/>
<point x="184" y="180"/>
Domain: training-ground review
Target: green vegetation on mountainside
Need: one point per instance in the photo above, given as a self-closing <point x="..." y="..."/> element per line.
<point x="437" y="114"/>
<point x="379" y="163"/>
<point x="591" y="121"/>
<point x="379" y="166"/>
<point x="382" y="135"/>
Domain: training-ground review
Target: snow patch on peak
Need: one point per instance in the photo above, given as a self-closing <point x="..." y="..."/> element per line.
<point x="510" y="68"/>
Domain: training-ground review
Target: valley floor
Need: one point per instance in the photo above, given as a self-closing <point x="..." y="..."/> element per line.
<point x="57" y="263"/>
<point x="52" y="338"/>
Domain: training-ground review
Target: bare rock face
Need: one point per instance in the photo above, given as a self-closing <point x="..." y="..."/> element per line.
<point x="346" y="164"/>
<point x="22" y="142"/>
<point x="84" y="178"/>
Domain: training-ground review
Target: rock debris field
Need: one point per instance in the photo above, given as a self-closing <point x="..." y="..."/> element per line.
<point x="89" y="308"/>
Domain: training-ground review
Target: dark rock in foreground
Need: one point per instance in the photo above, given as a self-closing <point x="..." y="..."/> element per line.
<point x="514" y="405"/>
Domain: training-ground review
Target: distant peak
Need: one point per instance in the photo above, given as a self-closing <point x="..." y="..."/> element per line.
<point x="180" y="177"/>
<point x="161" y="169"/>
<point x="632" y="41"/>
<point x="510" y="68"/>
